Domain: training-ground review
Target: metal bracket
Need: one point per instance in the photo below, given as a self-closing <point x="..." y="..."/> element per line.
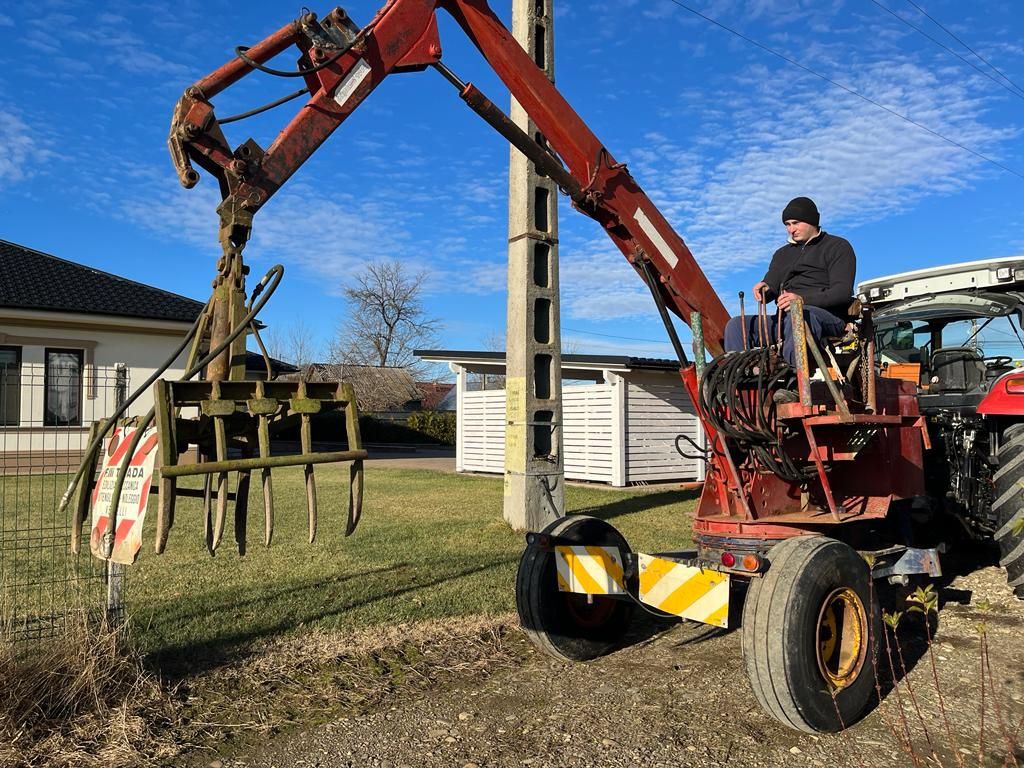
<point x="905" y="561"/>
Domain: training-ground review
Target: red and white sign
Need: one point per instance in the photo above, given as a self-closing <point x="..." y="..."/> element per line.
<point x="131" y="511"/>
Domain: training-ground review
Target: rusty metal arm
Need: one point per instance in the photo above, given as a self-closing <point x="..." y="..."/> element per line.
<point x="404" y="37"/>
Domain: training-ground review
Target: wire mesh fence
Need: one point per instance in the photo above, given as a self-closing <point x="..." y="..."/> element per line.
<point x="46" y="410"/>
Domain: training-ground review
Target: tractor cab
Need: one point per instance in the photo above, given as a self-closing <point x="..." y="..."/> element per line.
<point x="953" y="331"/>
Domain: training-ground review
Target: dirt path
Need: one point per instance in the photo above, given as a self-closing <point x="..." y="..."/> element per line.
<point x="680" y="698"/>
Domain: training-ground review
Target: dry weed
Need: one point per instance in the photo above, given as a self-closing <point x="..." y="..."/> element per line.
<point x="85" y="699"/>
<point x="77" y="699"/>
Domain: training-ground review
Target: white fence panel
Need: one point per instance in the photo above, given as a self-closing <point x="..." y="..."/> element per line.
<point x="656" y="415"/>
<point x="588" y="435"/>
<point x="483" y="431"/>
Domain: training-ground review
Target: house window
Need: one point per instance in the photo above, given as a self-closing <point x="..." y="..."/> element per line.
<point x="62" y="400"/>
<point x="10" y="386"/>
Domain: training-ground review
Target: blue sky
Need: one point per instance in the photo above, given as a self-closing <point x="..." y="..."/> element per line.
<point x="719" y="133"/>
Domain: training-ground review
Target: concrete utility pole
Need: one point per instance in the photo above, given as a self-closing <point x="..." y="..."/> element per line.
<point x="534" y="474"/>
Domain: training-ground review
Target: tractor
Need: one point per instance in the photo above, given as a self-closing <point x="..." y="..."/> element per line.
<point x="805" y="504"/>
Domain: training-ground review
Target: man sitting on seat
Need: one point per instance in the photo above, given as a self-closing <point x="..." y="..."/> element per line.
<point x="814" y="265"/>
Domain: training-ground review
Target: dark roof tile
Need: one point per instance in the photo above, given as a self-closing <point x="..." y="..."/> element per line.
<point x="30" y="279"/>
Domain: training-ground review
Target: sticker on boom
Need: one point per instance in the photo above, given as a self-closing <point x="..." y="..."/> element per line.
<point x="685" y="590"/>
<point x="589" y="570"/>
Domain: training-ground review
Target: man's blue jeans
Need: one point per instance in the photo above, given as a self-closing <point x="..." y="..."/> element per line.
<point x="819" y="322"/>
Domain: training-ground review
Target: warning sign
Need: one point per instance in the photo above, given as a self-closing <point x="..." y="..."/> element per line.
<point x="131" y="510"/>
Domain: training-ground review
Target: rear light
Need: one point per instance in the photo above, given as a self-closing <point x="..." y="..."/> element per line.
<point x="751" y="563"/>
<point x="539" y="540"/>
<point x="728" y="559"/>
<point x="1015" y="385"/>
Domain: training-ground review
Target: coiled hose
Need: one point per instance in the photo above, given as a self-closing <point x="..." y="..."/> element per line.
<point x="736" y="393"/>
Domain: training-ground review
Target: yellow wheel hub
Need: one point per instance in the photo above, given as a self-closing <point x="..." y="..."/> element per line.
<point x="841" y="637"/>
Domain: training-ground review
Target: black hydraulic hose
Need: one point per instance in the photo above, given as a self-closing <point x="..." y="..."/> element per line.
<point x="120" y="410"/>
<point x="264" y="108"/>
<point x="255" y="308"/>
<point x="241" y="49"/>
<point x="735" y="394"/>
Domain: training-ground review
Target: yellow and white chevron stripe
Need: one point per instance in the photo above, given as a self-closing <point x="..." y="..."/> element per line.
<point x="685" y="590"/>
<point x="589" y="570"/>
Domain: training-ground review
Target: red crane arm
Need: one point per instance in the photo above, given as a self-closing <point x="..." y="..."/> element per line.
<point x="342" y="65"/>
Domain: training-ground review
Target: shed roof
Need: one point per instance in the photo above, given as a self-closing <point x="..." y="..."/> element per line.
<point x="31" y="279"/>
<point x="573" y="366"/>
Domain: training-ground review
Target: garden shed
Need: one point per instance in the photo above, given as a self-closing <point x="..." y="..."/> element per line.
<point x="622" y="417"/>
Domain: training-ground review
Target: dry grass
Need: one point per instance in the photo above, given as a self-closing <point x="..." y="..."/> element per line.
<point x="85" y="699"/>
<point x="79" y="699"/>
<point x="316" y="677"/>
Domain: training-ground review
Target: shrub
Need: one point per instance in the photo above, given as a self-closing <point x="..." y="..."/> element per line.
<point x="440" y="425"/>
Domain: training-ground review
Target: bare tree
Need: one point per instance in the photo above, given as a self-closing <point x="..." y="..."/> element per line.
<point x="292" y="343"/>
<point x="493" y="342"/>
<point x="385" y="318"/>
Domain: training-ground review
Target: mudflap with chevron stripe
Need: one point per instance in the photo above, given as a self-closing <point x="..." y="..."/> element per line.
<point x="689" y="591"/>
<point x="669" y="585"/>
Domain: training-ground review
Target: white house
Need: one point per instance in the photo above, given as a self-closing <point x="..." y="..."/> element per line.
<point x="622" y="418"/>
<point x="73" y="342"/>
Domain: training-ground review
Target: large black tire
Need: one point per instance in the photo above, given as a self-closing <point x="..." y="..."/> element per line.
<point x="563" y="624"/>
<point x="812" y="615"/>
<point x="1008" y="506"/>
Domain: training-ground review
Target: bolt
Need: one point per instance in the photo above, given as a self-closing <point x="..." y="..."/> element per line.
<point x="239" y="167"/>
<point x="434" y="50"/>
<point x="317" y="54"/>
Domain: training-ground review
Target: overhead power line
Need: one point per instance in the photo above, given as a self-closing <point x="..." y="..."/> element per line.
<point x="610" y="336"/>
<point x="846" y="88"/>
<point x="946" y="48"/>
<point x="937" y="23"/>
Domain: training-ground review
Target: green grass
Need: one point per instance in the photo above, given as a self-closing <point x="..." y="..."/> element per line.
<point x="430" y="545"/>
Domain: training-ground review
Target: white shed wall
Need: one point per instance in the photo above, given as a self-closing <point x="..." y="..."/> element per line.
<point x="657" y="411"/>
<point x="587" y="434"/>
<point x="602" y="444"/>
<point x="481" y="438"/>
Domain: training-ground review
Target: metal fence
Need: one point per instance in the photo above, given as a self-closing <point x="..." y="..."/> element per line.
<point x="46" y="410"/>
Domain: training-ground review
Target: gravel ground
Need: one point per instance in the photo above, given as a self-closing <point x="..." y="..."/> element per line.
<point x="679" y="697"/>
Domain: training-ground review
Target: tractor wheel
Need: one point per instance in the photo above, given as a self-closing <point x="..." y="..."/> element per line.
<point x="564" y="624"/>
<point x="1008" y="507"/>
<point x="811" y="629"/>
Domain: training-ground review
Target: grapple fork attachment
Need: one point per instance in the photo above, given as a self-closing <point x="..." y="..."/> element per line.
<point x="234" y="425"/>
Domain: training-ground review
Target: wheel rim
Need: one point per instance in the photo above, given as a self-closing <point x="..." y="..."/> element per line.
<point x="841" y="637"/>
<point x="589" y="615"/>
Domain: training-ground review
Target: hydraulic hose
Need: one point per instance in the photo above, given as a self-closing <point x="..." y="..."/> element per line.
<point x="255" y="306"/>
<point x="736" y="394"/>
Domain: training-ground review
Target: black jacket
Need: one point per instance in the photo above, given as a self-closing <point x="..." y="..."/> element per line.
<point x="819" y="271"/>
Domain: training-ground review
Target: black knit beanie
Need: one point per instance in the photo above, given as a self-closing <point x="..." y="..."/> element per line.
<point x="801" y="209"/>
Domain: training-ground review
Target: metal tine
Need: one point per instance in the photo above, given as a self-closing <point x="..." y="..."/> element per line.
<point x="305" y="407"/>
<point x="346" y="393"/>
<point x="208" y="511"/>
<point x="264" y="409"/>
<point x="355" y="496"/>
<point x="307" y="445"/>
<point x="168" y="457"/>
<point x="221" y="442"/>
<point x="83" y="494"/>
<point x="242" y="508"/>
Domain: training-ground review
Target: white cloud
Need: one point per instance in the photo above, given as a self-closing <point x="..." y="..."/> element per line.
<point x="24" y="152"/>
<point x="857" y="162"/>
